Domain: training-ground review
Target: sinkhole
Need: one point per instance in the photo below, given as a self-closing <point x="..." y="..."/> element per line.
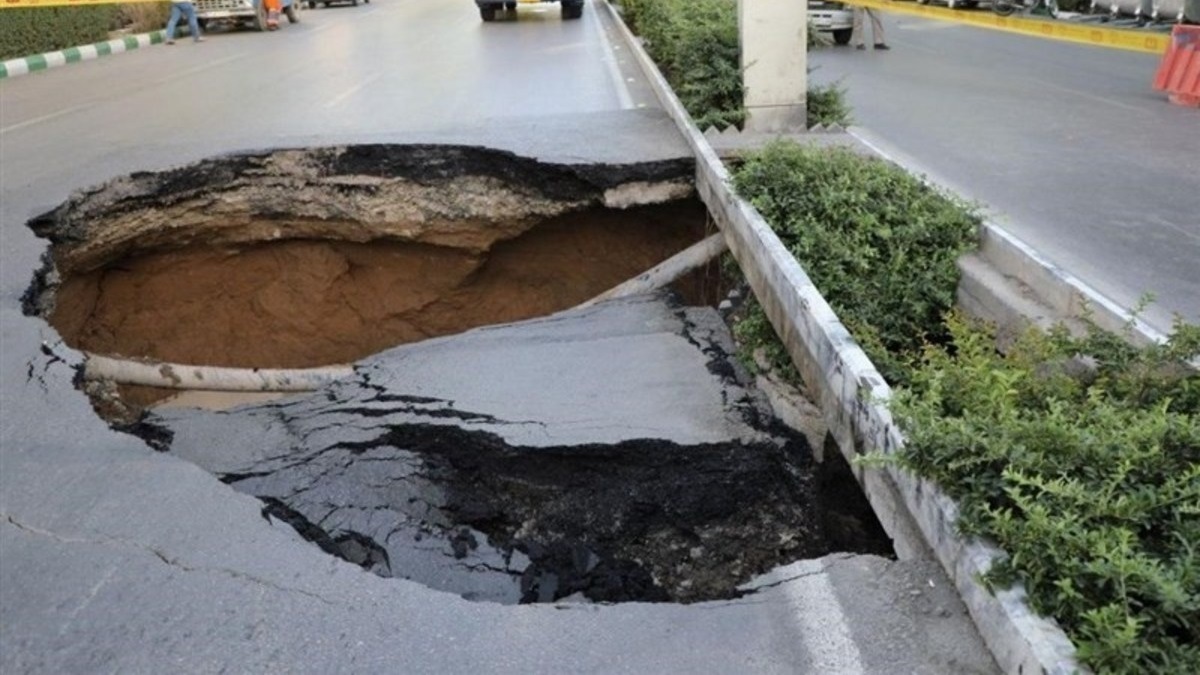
<point x="608" y="454"/>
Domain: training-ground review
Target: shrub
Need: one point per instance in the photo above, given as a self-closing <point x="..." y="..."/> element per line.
<point x="143" y="17"/>
<point x="882" y="246"/>
<point x="35" y="30"/>
<point x="827" y="105"/>
<point x="1081" y="459"/>
<point x="696" y="46"/>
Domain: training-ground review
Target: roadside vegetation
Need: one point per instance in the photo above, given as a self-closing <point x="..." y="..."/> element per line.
<point x="1078" y="456"/>
<point x="35" y="30"/>
<point x="881" y="245"/>
<point x="695" y="44"/>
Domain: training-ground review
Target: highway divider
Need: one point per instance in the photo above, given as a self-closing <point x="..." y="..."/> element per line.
<point x="1065" y="31"/>
<point x="1179" y="72"/>
<point x="852" y="395"/>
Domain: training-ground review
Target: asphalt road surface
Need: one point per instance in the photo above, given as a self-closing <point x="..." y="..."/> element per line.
<point x="114" y="556"/>
<point x="1068" y="146"/>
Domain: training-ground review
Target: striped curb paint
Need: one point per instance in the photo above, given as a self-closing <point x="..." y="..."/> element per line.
<point x="1092" y="34"/>
<point x="29" y="64"/>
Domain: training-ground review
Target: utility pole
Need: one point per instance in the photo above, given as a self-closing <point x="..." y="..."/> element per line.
<point x="774" y="36"/>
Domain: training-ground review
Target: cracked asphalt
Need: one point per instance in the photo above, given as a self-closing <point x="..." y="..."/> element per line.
<point x="138" y="559"/>
<point x="115" y="556"/>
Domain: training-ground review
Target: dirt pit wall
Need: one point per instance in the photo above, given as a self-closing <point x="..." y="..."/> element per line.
<point x="304" y="258"/>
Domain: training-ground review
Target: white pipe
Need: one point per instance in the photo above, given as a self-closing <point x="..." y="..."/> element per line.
<point x="216" y="378"/>
<point x="210" y="378"/>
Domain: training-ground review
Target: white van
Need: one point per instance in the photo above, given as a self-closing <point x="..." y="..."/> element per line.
<point x="832" y="17"/>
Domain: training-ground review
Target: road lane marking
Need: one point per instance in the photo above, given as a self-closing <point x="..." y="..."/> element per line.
<point x="823" y="627"/>
<point x="43" y="118"/>
<point x="83" y="106"/>
<point x="1083" y="94"/>
<point x="351" y="91"/>
<point x="624" y="99"/>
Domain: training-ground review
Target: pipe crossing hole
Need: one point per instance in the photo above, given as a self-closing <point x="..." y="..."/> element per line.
<point x="302" y="258"/>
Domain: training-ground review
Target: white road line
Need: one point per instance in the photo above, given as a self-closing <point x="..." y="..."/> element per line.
<point x="1085" y="95"/>
<point x="43" y="118"/>
<point x="823" y="627"/>
<point x="351" y="91"/>
<point x="76" y="108"/>
<point x="208" y="65"/>
<point x="610" y="58"/>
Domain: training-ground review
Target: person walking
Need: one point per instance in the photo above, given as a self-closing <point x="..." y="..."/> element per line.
<point x="183" y="9"/>
<point x="856" y="30"/>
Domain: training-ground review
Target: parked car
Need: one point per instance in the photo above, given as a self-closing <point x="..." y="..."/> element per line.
<point x="571" y="9"/>
<point x="250" y="12"/>
<point x="312" y="4"/>
<point x="832" y="17"/>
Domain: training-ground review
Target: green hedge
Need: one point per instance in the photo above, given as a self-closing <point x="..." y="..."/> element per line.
<point x="24" y="32"/>
<point x="695" y="44"/>
<point x="881" y="245"/>
<point x="1080" y="457"/>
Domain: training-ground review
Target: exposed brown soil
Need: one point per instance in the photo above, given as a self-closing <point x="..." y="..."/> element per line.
<point x="309" y="302"/>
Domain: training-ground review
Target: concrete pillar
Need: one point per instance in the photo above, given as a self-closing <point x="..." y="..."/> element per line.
<point x="774" y="62"/>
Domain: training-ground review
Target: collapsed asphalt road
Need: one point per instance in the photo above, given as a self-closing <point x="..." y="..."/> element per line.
<point x="161" y="563"/>
<point x="120" y="556"/>
<point x="611" y="452"/>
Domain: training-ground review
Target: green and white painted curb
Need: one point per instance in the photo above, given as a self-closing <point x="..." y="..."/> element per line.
<point x="28" y="64"/>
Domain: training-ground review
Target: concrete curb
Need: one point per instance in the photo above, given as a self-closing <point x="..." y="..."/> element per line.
<point x="852" y="395"/>
<point x="1034" y="288"/>
<point x="29" y="64"/>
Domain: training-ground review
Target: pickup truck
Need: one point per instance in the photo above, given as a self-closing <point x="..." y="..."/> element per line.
<point x="571" y="9"/>
<point x="250" y="12"/>
<point x="832" y="17"/>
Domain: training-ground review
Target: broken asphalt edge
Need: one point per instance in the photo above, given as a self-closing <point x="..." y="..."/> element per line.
<point x="35" y="62"/>
<point x="852" y="394"/>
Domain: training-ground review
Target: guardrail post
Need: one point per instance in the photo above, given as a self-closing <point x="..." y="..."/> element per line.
<point x="774" y="36"/>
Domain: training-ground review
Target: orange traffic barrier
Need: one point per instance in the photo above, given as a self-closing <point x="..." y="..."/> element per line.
<point x="1179" y="72"/>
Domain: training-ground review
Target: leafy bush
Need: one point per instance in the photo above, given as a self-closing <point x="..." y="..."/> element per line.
<point x="827" y="105"/>
<point x="696" y="46"/>
<point x="35" y="30"/>
<point x="880" y="245"/>
<point x="1081" y="459"/>
<point x="142" y="17"/>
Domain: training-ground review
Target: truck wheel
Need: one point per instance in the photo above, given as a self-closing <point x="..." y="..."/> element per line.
<point x="290" y="12"/>
<point x="841" y="36"/>
<point x="487" y="12"/>
<point x="510" y="6"/>
<point x="312" y="4"/>
<point x="572" y="11"/>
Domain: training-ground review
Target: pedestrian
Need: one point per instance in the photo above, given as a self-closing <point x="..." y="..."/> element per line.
<point x="186" y="9"/>
<point x="273" y="7"/>
<point x="856" y="31"/>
